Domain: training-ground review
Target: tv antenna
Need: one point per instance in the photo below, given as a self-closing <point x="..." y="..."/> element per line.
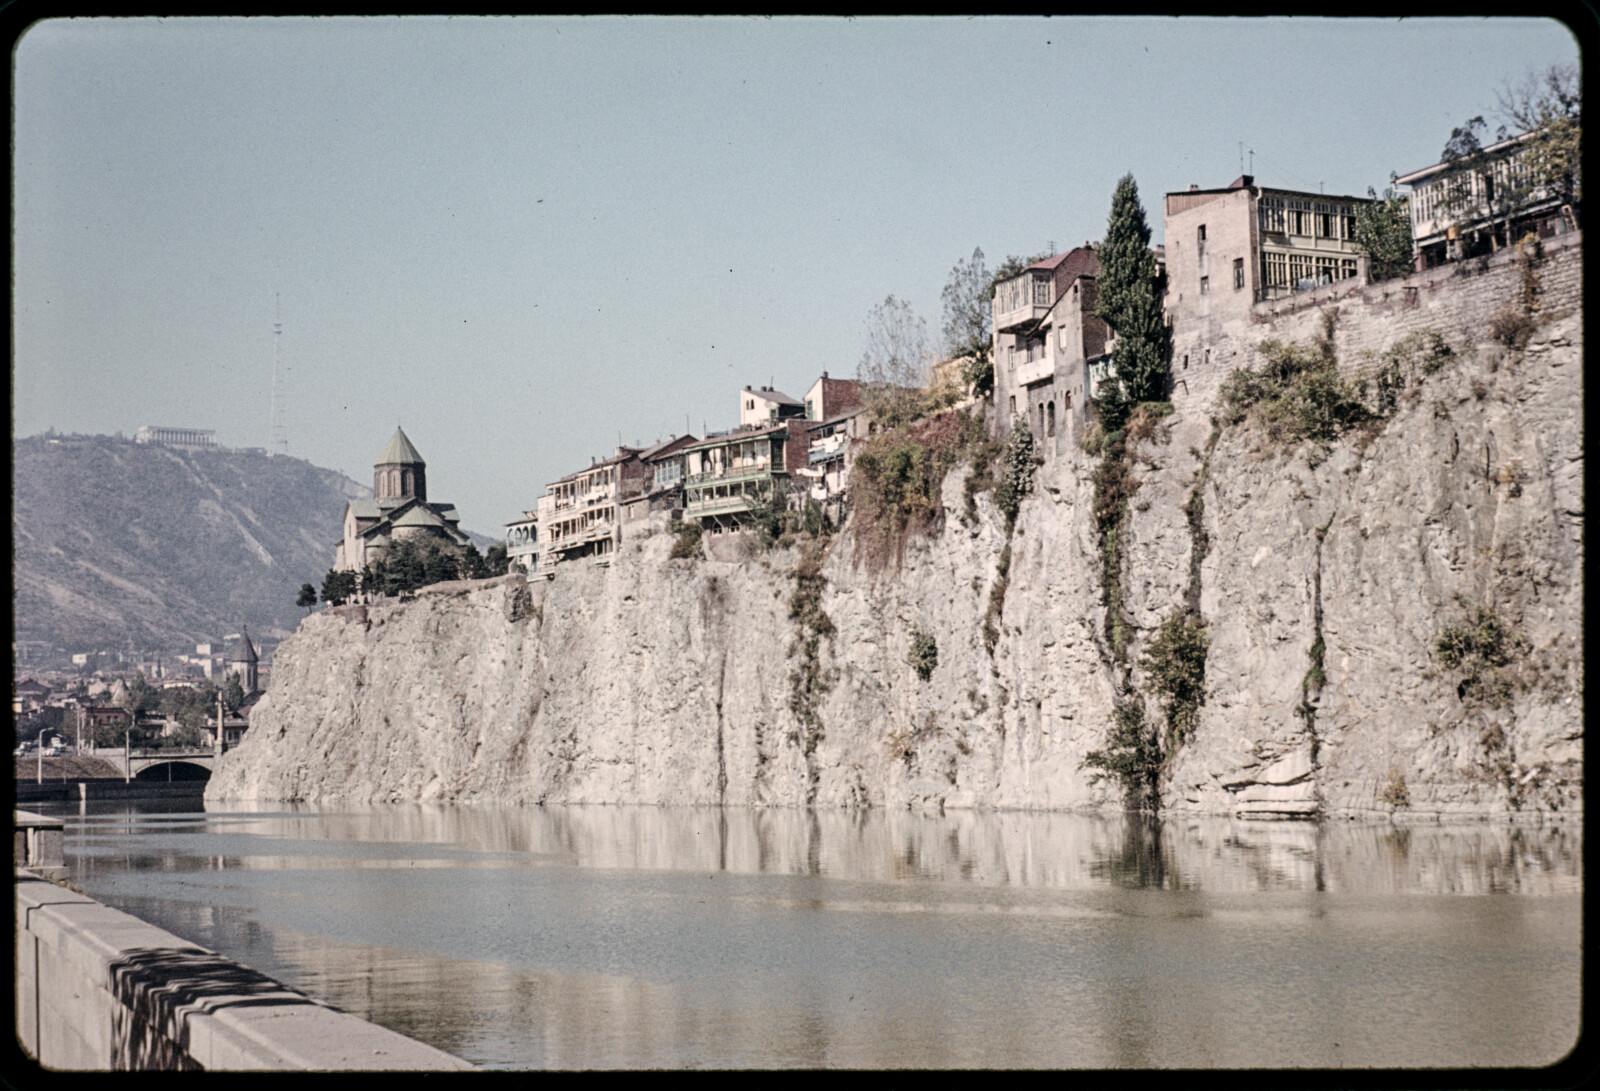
<point x="277" y="444"/>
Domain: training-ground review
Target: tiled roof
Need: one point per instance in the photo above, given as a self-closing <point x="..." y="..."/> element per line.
<point x="399" y="451"/>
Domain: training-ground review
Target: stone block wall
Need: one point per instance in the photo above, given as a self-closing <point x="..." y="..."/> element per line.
<point x="1458" y="300"/>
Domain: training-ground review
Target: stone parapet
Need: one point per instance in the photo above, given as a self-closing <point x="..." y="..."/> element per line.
<point x="98" y="989"/>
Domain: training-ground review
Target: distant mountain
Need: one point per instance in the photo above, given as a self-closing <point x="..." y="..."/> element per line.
<point x="118" y="544"/>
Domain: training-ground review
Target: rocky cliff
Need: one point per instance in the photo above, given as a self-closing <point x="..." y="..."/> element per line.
<point x="1326" y="575"/>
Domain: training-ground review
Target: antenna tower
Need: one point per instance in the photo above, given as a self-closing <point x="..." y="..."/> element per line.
<point x="277" y="444"/>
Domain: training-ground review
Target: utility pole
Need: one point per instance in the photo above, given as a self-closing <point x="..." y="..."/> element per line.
<point x="127" y="749"/>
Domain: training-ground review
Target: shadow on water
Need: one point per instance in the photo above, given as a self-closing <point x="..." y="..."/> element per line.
<point x="159" y="988"/>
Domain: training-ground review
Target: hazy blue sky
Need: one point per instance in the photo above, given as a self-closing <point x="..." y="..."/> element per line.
<point x="524" y="239"/>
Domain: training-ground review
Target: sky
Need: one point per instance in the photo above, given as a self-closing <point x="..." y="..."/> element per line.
<point x="526" y="240"/>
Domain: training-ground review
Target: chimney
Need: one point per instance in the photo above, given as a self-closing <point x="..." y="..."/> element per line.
<point x="1193" y="187"/>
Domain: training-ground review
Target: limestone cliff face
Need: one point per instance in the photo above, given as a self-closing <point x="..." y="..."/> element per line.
<point x="665" y="681"/>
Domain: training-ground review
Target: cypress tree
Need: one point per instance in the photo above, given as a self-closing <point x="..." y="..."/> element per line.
<point x="1130" y="305"/>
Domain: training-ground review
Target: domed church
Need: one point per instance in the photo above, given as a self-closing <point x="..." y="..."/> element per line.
<point x="399" y="509"/>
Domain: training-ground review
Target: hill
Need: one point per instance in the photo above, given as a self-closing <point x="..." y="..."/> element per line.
<point x="118" y="544"/>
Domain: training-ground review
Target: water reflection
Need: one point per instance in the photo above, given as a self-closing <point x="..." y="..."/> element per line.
<point x="582" y="937"/>
<point x="1056" y="851"/>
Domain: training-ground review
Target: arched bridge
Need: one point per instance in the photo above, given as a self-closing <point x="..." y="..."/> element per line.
<point x="165" y="764"/>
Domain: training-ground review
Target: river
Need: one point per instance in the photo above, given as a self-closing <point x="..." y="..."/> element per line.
<point x="638" y="937"/>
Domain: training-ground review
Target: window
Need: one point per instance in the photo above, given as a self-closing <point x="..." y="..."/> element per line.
<point x="1201" y="236"/>
<point x="1013" y="405"/>
<point x="1205" y="285"/>
<point x="1272" y="215"/>
<point x="1041" y="291"/>
<point x="1050" y="428"/>
<point x="1238" y="273"/>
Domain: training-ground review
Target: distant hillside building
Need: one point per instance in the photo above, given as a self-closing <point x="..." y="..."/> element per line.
<point x="201" y="438"/>
<point x="244" y="662"/>
<point x="398" y="510"/>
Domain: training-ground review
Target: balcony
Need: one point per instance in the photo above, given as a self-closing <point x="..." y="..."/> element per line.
<point x="1034" y="371"/>
<point x="730" y="476"/>
<point x="717" y="505"/>
<point x="1019" y="303"/>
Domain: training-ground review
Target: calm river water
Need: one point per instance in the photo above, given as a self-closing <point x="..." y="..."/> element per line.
<point x="605" y="937"/>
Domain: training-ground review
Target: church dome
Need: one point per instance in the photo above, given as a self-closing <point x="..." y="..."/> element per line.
<point x="399" y="452"/>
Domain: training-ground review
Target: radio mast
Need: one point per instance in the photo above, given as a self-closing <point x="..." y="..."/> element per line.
<point x="277" y="444"/>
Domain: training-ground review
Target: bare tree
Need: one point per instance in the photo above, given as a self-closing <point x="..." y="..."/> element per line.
<point x="894" y="366"/>
<point x="1549" y="105"/>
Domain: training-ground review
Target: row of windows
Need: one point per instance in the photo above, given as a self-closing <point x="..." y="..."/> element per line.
<point x="1047" y="413"/>
<point x="1456" y="191"/>
<point x="1321" y="225"/>
<point x="1280" y="270"/>
<point x="1015" y="294"/>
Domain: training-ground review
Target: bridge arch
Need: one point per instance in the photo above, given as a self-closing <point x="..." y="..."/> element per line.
<point x="163" y="771"/>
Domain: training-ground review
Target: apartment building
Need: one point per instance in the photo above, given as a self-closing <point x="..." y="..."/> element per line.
<point x="580" y="515"/>
<point x="829" y="398"/>
<point x="522" y="542"/>
<point x="1046" y="340"/>
<point x="1458" y="212"/>
<point x="763" y="405"/>
<point x="829" y="455"/>
<point x="663" y="480"/>
<point x="726" y="475"/>
<point x="1228" y="249"/>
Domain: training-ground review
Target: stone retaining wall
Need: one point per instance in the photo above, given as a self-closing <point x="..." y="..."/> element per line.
<point x="99" y="989"/>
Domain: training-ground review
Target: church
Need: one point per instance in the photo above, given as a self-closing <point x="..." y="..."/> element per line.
<point x="398" y="510"/>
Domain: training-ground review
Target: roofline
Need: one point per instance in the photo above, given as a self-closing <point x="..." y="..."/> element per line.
<point x="1444" y="165"/>
<point x="741" y="435"/>
<point x="1272" y="189"/>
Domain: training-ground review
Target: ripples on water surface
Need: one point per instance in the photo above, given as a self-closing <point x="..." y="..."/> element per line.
<point x="598" y="937"/>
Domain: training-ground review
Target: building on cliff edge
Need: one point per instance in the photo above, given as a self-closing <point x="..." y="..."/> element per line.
<point x="398" y="511"/>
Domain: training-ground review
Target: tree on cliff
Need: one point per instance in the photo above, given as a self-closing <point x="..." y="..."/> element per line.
<point x="1383" y="232"/>
<point x="968" y="297"/>
<point x="337" y="586"/>
<point x="1130" y="303"/>
<point x="308" y="597"/>
<point x="894" y="364"/>
<point x="1544" y="113"/>
<point x="1549" y="105"/>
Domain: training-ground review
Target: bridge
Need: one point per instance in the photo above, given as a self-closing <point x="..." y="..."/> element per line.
<point x="162" y="764"/>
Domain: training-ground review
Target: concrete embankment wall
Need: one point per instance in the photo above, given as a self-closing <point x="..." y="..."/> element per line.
<point x="98" y="989"/>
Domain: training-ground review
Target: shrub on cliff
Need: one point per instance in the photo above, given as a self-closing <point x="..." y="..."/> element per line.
<point x="924" y="654"/>
<point x="1483" y="647"/>
<point x="1018" y="476"/>
<point x="1174" y="663"/>
<point x="895" y="481"/>
<point x="1296" y="394"/>
<point x="686" y="542"/>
